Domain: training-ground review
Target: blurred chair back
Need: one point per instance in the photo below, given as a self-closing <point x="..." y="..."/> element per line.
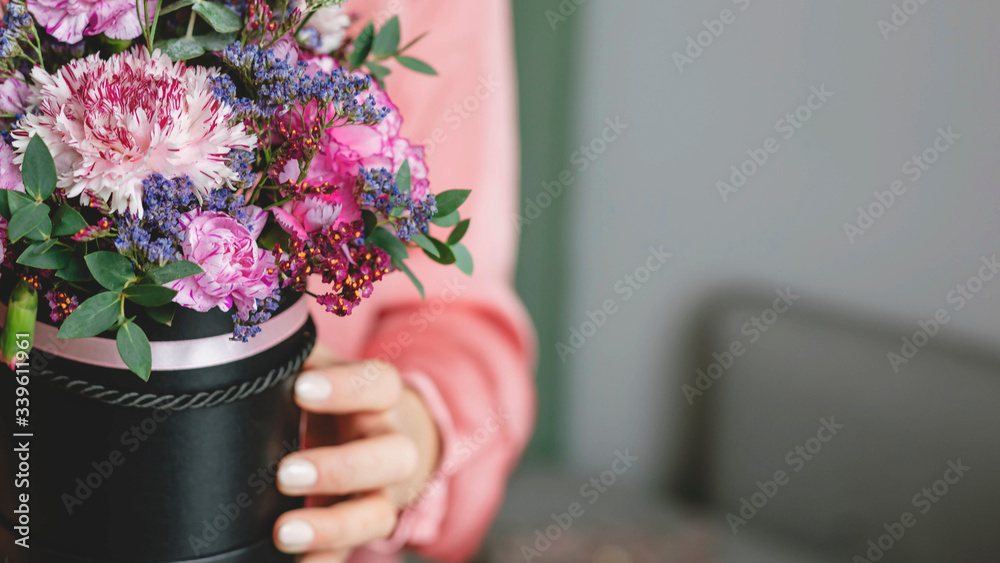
<point x="810" y="434"/>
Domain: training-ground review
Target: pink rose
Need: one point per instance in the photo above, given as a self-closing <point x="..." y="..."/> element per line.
<point x="237" y="271"/>
<point x="14" y="94"/>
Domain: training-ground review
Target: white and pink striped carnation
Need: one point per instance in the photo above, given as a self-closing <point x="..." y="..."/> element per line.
<point x="111" y="123"/>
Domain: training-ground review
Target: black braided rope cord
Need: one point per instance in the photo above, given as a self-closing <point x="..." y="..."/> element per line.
<point x="202" y="399"/>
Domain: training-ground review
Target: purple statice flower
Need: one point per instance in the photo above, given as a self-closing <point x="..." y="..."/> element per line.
<point x="280" y="82"/>
<point x="245" y="329"/>
<point x="157" y="235"/>
<point x="381" y="193"/>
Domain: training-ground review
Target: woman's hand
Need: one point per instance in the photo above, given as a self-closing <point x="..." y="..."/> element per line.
<point x="371" y="458"/>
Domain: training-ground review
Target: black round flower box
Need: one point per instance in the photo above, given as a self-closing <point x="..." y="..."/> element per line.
<point x="177" y="469"/>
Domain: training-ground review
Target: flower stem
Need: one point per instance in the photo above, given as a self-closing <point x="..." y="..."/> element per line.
<point x="190" y="30"/>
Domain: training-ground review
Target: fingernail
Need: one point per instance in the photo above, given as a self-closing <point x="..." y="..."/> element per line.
<point x="311" y="386"/>
<point x="297" y="474"/>
<point x="295" y="536"/>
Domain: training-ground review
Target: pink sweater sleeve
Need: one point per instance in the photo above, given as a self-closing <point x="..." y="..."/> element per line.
<point x="470" y="347"/>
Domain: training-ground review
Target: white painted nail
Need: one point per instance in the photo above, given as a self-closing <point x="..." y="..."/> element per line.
<point x="297" y="474"/>
<point x="296" y="535"/>
<point x="311" y="386"/>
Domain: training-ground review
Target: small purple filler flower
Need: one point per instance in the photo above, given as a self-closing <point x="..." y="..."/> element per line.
<point x="237" y="271"/>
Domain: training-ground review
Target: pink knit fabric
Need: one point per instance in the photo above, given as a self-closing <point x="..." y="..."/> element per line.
<point x="469" y="348"/>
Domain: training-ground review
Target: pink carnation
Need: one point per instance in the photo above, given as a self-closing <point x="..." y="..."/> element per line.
<point x="69" y="20"/>
<point x="14" y="92"/>
<point x="111" y="123"/>
<point x="352" y="147"/>
<point x="10" y="173"/>
<point x="237" y="271"/>
<point x="314" y="213"/>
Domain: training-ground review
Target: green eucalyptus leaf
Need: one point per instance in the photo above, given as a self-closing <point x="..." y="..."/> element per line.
<point x="163" y="315"/>
<point x="463" y="258"/>
<point x="75" y="269"/>
<point x="177" y="6"/>
<point x="133" y="346"/>
<point x="31" y="221"/>
<point x="442" y="253"/>
<point x="17" y="200"/>
<point x="215" y="41"/>
<point x="459" y="232"/>
<point x="449" y="220"/>
<point x="110" y="269"/>
<point x="450" y="201"/>
<point x="384" y="239"/>
<point x="425" y="242"/>
<point x="221" y="18"/>
<point x="403" y="179"/>
<point x="409" y="273"/>
<point x="416" y="65"/>
<point x="174" y="271"/>
<point x="149" y="295"/>
<point x="45" y="255"/>
<point x="370" y="221"/>
<point x="38" y="171"/>
<point x="362" y="45"/>
<point x="182" y="48"/>
<point x="67" y="221"/>
<point x="378" y="71"/>
<point x="93" y="316"/>
<point x="387" y="40"/>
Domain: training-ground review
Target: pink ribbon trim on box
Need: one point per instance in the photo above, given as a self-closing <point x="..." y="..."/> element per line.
<point x="177" y="355"/>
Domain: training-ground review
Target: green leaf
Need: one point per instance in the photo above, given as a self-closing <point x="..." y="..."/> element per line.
<point x="17" y="200"/>
<point x="38" y="171"/>
<point x="409" y="273"/>
<point x="378" y="71"/>
<point x="414" y="42"/>
<point x="133" y="346"/>
<point x="182" y="49"/>
<point x="463" y="258"/>
<point x="425" y="242"/>
<point x="4" y="206"/>
<point x="67" y="221"/>
<point x="384" y="239"/>
<point x="215" y="41"/>
<point x="450" y="201"/>
<point x="403" y="180"/>
<point x="163" y="315"/>
<point x="370" y="221"/>
<point x="149" y="295"/>
<point x="221" y="18"/>
<point x="93" y="316"/>
<point x="387" y="40"/>
<point x="177" y="6"/>
<point x="110" y="269"/>
<point x="442" y="253"/>
<point x="30" y="221"/>
<point x="449" y="220"/>
<point x="45" y="255"/>
<point x="174" y="271"/>
<point x="416" y="65"/>
<point x="362" y="45"/>
<point x="75" y="270"/>
<point x="397" y="211"/>
<point x="459" y="232"/>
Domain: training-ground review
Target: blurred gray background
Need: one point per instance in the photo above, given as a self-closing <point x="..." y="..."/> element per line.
<point x="698" y="88"/>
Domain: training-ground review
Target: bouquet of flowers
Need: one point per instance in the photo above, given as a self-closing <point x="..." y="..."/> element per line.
<point x="203" y="154"/>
